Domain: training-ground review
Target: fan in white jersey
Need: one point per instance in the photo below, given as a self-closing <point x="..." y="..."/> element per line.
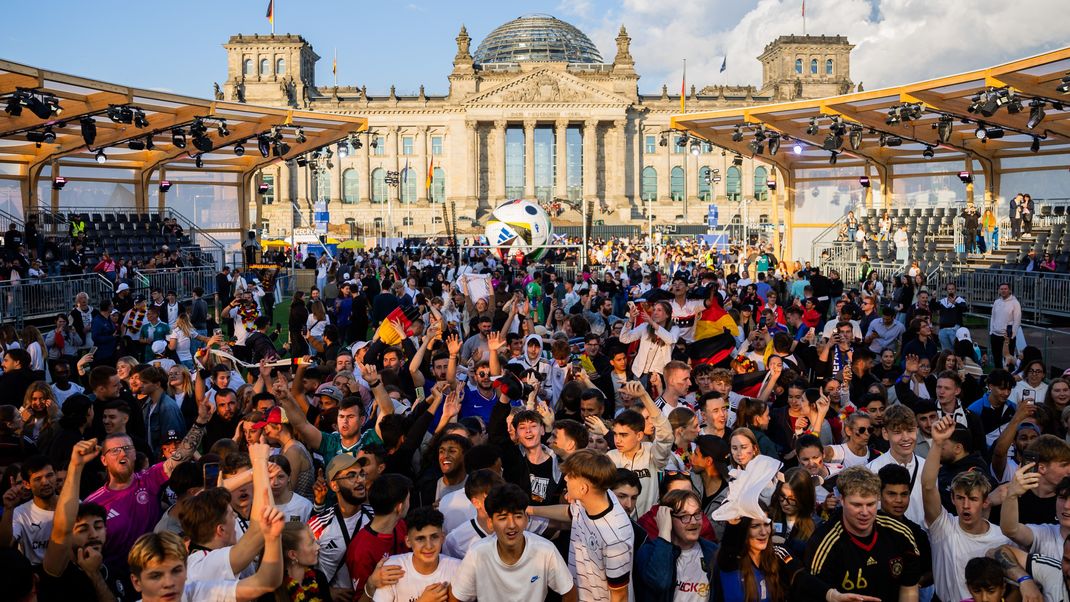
<point x="476" y="487"/>
<point x="645" y="459"/>
<point x="158" y="568"/>
<point x="333" y="528"/>
<point x="29" y="525"/>
<point x="512" y="564"/>
<point x="295" y="507"/>
<point x="426" y="571"/>
<point x="601" y="543"/>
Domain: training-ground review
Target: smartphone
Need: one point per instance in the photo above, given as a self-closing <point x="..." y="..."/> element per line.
<point x="218" y="332"/>
<point x="92" y="350"/>
<point x="1030" y="456"/>
<point x="211" y="474"/>
<point x="761" y="323"/>
<point x="1027" y="396"/>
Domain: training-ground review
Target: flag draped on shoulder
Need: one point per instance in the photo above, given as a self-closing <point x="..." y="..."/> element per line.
<point x="715" y="335"/>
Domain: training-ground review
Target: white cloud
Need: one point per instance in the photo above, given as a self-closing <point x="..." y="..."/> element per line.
<point x="897" y="41"/>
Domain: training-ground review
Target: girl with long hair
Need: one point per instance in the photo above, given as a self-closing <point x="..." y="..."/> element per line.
<point x="792" y="511"/>
<point x="181" y="338"/>
<point x="40" y="413"/>
<point x="302" y="581"/>
<point x="753" y="415"/>
<point x="180" y="388"/>
<point x="1057" y="400"/>
<point x="656" y="339"/>
<point x="34" y="344"/>
<point x="316" y="322"/>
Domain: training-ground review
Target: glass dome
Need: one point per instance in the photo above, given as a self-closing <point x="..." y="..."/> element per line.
<point x="536" y="38"/>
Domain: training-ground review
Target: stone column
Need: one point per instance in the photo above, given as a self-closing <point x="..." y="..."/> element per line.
<point x="365" y="162"/>
<point x="471" y="140"/>
<point x="497" y="165"/>
<point x="665" y="175"/>
<point x="529" y="159"/>
<point x="590" y="165"/>
<point x="393" y="146"/>
<point x="420" y="143"/>
<point x="616" y="170"/>
<point x="561" y="137"/>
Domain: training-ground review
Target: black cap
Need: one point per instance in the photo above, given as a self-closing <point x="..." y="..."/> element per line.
<point x="76" y="404"/>
<point x="139" y="299"/>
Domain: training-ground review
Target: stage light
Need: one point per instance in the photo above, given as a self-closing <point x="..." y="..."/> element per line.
<point x="149" y="144"/>
<point x="1015" y="105"/>
<point x="928" y="152"/>
<point x="774" y="144"/>
<point x="1035" y="145"/>
<point x="832" y="157"/>
<point x="944" y="127"/>
<point x="136" y="145"/>
<point x="797" y="149"/>
<point x="140" y="120"/>
<point x="222" y="128"/>
<point x="889" y="140"/>
<point x="58" y="183"/>
<point x="737" y="135"/>
<point x="756" y="147"/>
<point x="965" y="177"/>
<point x="280" y="149"/>
<point x="770" y="184"/>
<point x="198" y="161"/>
<point x="893" y="116"/>
<point x="301" y="136"/>
<point x="165" y="185"/>
<point x="101" y="157"/>
<point x="43" y="108"/>
<point x="696" y="148"/>
<point x="263" y="188"/>
<point x="1036" y="113"/>
<point x="302" y="161"/>
<point x="863" y="181"/>
<point x="663" y="142"/>
<point x="811" y="130"/>
<point x="985" y="133"/>
<point x="199" y="132"/>
<point x="178" y="138"/>
<point x="1064" y="87"/>
<point x="832" y="142"/>
<point x="239" y="149"/>
<point x="121" y="114"/>
<point x="327" y="152"/>
<point x="14" y="105"/>
<point x="263" y="144"/>
<point x="46" y="136"/>
<point x="737" y="160"/>
<point x="855" y="137"/>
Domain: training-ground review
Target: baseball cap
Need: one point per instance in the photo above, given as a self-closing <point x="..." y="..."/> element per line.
<point x="963" y="334"/>
<point x="355" y="347"/>
<point x="122" y="287"/>
<point x="330" y="391"/>
<point x="275" y="415"/>
<point x="340" y="463"/>
<point x="139" y="299"/>
<point x="159" y="347"/>
<point x="171" y="436"/>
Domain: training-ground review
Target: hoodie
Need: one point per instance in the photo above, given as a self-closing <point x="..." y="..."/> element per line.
<point x="553" y="377"/>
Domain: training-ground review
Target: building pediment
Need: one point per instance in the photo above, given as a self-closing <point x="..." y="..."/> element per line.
<point x="546" y="87"/>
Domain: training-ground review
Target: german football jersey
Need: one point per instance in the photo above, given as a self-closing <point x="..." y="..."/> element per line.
<point x="877" y="565"/>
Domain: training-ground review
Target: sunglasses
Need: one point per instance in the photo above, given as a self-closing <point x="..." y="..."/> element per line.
<point x="482" y="374"/>
<point x="862" y="430"/>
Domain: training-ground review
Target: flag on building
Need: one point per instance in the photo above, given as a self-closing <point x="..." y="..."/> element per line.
<point x="271" y="14"/>
<point x="683" y="87"/>
<point x="715" y="335"/>
<point x="405" y="173"/>
<point x="724" y="63"/>
<point x="430" y="174"/>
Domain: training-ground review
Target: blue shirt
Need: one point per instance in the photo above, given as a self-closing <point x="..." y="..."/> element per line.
<point x="474" y="404"/>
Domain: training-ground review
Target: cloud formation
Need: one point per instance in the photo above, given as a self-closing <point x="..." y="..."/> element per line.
<point x="896" y="41"/>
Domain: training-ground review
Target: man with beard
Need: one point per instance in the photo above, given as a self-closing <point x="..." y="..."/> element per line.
<point x="395" y="372"/>
<point x="225" y="419"/>
<point x="28" y="525"/>
<point x="131" y="498"/>
<point x="74" y="563"/>
<point x="335" y="527"/>
<point x="104" y="387"/>
<point x="479" y="396"/>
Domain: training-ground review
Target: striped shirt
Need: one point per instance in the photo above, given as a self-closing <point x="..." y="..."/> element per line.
<point x="327" y="529"/>
<point x="600" y="550"/>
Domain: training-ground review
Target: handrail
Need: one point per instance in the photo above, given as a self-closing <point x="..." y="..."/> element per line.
<point x="32" y="299"/>
<point x="819" y="240"/>
<point x="6" y="219"/>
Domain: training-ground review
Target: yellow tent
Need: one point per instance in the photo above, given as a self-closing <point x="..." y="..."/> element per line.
<point x="276" y="243"/>
<point x="351" y="244"/>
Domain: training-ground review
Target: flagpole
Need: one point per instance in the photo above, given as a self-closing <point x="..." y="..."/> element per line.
<point x="272" y="18"/>
<point x="683" y="89"/>
<point x="804" y="16"/>
<point x="334" y="67"/>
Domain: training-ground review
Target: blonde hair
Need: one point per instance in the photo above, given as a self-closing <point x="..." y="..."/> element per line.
<point x="30" y="334"/>
<point x="42" y="386"/>
<point x="155" y="547"/>
<point x="187" y="383"/>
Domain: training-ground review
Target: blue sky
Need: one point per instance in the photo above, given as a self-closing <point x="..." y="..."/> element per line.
<point x="177" y="46"/>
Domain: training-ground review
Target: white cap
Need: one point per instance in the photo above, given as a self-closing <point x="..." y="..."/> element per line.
<point x="122" y="287"/>
<point x="963" y="334"/>
<point x="159" y="347"/>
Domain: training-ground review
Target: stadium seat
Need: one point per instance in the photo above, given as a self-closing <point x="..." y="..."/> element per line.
<point x="121" y="218"/>
<point x="97" y="218"/>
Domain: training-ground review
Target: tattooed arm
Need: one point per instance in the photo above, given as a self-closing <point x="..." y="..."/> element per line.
<point x="1012" y="561"/>
<point x="188" y="447"/>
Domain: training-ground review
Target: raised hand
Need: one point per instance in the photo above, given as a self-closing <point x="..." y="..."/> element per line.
<point x="663" y="518"/>
<point x="265" y="371"/>
<point x="453" y="344"/>
<point x="451" y="407"/>
<point x="204" y="411"/>
<point x="495" y="341"/>
<point x="84" y="452"/>
<point x="13" y="497"/>
<point x="271" y="522"/>
<point x="319" y="489"/>
<point x="910" y="364"/>
<point x="369" y="373"/>
<point x="1024" y="480"/>
<point x="943" y="428"/>
<point x="596" y="426"/>
<point x="259" y="451"/>
<point x="89" y="559"/>
<point x="634" y="389"/>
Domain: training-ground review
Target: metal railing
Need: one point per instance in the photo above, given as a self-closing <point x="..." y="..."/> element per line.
<point x="1040" y="294"/>
<point x="1053" y="343"/>
<point x="180" y="280"/>
<point x="6" y="219"/>
<point x="33" y="299"/>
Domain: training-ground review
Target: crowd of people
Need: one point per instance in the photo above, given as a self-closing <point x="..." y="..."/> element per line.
<point x="688" y="424"/>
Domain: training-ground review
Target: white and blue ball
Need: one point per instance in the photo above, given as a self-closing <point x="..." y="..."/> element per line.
<point x="520" y="228"/>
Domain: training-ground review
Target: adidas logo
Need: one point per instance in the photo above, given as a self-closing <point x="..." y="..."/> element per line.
<point x="113" y="513"/>
<point x="871" y="562"/>
<point x="331" y="545"/>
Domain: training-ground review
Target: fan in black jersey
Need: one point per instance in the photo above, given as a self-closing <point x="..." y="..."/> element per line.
<point x="861" y="551"/>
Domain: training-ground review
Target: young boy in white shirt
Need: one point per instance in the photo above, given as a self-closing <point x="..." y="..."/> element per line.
<point x="460" y="539"/>
<point x="426" y="571"/>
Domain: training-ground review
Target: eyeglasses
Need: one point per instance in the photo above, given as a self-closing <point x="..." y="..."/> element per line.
<point x="1036" y="371"/>
<point x="352" y="475"/>
<point x="126" y="449"/>
<point x="688" y="518"/>
<point x="482" y="374"/>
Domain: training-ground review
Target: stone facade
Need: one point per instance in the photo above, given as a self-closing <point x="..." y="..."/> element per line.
<point x="624" y="136"/>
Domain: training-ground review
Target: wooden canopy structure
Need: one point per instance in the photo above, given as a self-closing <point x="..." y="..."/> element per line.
<point x="983" y="119"/>
<point x="54" y="121"/>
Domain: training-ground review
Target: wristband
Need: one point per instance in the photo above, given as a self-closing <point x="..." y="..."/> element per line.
<point x="370" y="595"/>
<point x="1023" y="579"/>
<point x="375" y="384"/>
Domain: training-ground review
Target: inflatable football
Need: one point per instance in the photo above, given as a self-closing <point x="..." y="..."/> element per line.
<point x="519" y="228"/>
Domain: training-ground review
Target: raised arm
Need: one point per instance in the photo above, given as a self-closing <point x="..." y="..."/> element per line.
<point x="1003" y="443"/>
<point x="1013" y="561"/>
<point x="453" y="344"/>
<point x="930" y="492"/>
<point x="382" y="398"/>
<point x="297" y="389"/>
<point x="663" y="438"/>
<point x="1024" y="480"/>
<point x="187" y="449"/>
<point x="309" y="434"/>
<point x="495" y="342"/>
<point x="417" y="375"/>
<point x="269" y="576"/>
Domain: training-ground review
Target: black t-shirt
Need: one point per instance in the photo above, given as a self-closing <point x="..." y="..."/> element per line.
<point x="877" y="565"/>
<point x="543" y="486"/>
<point x="74" y="584"/>
<point x="1033" y="510"/>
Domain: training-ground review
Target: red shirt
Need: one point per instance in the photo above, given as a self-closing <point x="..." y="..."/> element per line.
<point x="369" y="547"/>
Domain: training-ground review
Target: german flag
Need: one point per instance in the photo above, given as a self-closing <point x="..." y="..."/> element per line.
<point x="715" y="334"/>
<point x="402" y="317"/>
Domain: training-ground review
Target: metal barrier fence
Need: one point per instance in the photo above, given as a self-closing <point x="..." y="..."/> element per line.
<point x="1040" y="294"/>
<point x="180" y="280"/>
<point x="46" y="297"/>
<point x="1053" y="343"/>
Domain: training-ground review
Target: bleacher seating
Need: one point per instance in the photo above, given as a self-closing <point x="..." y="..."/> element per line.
<point x="134" y="236"/>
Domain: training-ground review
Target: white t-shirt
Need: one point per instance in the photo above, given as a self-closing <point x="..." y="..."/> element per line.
<point x="1047" y="540"/>
<point x="600" y="549"/>
<point x="916" y="508"/>
<point x="182" y="344"/>
<point x="460" y="539"/>
<point x="31" y="529"/>
<point x="692" y="582"/>
<point x="216" y="591"/>
<point x="1047" y="571"/>
<point x="61" y="395"/>
<point x="1037" y="393"/>
<point x="841" y="454"/>
<point x="210" y="565"/>
<point x="413" y="583"/>
<point x="457" y="509"/>
<point x="953" y="548"/>
<point x="483" y="575"/>
<point x="297" y="510"/>
<point x="327" y="530"/>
